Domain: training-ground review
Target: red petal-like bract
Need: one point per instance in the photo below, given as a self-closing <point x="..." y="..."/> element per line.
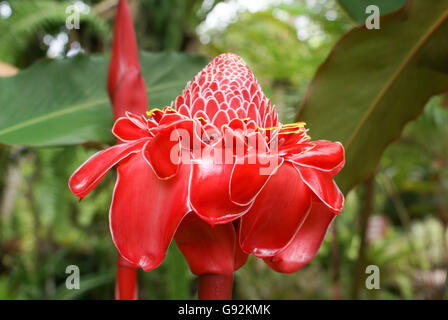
<point x="321" y="155"/>
<point x="209" y="189"/>
<point x="146" y="211"/>
<point x="244" y="193"/>
<point x="208" y="250"/>
<point x="306" y="243"/>
<point x="128" y="130"/>
<point x="87" y="177"/>
<point x="278" y="212"/>
<point x="322" y="184"/>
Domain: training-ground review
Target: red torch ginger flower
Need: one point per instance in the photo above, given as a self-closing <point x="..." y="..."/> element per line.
<point x="284" y="211"/>
<point x="221" y="174"/>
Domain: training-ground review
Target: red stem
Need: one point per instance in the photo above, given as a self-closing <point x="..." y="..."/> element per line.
<point x="127" y="92"/>
<point x="126" y="283"/>
<point x="215" y="287"/>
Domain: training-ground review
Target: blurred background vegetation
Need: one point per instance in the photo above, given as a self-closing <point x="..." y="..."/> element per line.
<point x="397" y="219"/>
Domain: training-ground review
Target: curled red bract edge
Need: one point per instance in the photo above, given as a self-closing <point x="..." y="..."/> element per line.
<point x="306" y="243"/>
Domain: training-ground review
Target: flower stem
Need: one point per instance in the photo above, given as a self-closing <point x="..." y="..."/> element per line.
<point x="215" y="287"/>
<point x="126" y="283"/>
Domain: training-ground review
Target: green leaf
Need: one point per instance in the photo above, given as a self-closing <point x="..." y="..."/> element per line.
<point x="375" y="81"/>
<point x="357" y="8"/>
<point x="64" y="102"/>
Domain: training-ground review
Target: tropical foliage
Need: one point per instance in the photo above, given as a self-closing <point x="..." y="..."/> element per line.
<point x="318" y="63"/>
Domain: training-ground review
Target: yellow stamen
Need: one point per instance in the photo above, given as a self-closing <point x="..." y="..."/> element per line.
<point x="295" y="125"/>
<point x="291" y="132"/>
<point x="151" y="112"/>
<point x="169" y="109"/>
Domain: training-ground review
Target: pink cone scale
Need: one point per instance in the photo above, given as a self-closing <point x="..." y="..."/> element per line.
<point x="243" y="183"/>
